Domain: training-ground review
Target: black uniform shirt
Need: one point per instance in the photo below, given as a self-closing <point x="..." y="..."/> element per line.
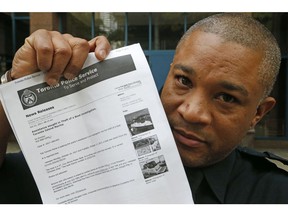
<point x="244" y="177"/>
<point x="17" y="185"/>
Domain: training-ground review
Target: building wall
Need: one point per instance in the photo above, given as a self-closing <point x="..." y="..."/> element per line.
<point x="48" y="21"/>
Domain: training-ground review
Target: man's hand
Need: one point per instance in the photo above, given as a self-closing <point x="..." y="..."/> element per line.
<point x="56" y="54"/>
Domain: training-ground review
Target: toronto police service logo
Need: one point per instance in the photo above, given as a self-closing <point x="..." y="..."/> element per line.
<point x="28" y="98"/>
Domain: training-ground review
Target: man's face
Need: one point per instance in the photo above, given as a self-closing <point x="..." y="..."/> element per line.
<point x="211" y="97"/>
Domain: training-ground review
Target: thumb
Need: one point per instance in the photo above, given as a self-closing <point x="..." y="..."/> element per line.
<point x="101" y="47"/>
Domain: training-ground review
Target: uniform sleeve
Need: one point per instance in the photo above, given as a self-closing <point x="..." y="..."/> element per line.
<point x="17" y="185"/>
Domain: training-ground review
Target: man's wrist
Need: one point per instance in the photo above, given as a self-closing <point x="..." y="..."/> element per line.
<point x="5" y="78"/>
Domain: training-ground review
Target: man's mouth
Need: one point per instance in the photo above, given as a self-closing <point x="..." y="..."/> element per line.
<point x="188" y="139"/>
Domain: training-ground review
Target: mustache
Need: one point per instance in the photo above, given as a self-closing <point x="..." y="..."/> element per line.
<point x="188" y="128"/>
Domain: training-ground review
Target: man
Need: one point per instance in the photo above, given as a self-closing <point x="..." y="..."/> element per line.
<point x="216" y="90"/>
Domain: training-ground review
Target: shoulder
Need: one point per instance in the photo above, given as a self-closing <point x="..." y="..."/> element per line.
<point x="256" y="155"/>
<point x="264" y="165"/>
<point x="262" y="176"/>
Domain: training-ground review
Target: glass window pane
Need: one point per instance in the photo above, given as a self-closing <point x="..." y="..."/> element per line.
<point x="192" y="18"/>
<point x="22" y="31"/>
<point x="112" y="25"/>
<point x="6" y="42"/>
<point x="18" y="14"/>
<point x="167" y="28"/>
<point x="277" y="24"/>
<point x="138" y="29"/>
<point x="77" y="24"/>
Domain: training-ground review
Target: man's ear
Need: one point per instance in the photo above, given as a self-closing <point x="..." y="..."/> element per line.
<point x="264" y="107"/>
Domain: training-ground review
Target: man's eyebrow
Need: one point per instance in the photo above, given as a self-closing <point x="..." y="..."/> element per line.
<point x="234" y="87"/>
<point x="184" y="68"/>
<point x="225" y="84"/>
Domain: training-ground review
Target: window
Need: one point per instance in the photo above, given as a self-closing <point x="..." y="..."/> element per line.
<point x="77" y="24"/>
<point x="112" y="25"/>
<point x="192" y="18"/>
<point x="167" y="28"/>
<point x="138" y="29"/>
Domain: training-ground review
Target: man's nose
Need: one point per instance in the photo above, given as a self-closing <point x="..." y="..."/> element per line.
<point x="195" y="109"/>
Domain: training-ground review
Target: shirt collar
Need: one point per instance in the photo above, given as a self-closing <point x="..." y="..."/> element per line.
<point x="218" y="175"/>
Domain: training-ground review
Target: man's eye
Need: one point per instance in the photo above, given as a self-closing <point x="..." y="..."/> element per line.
<point x="227" y="98"/>
<point x="184" y="81"/>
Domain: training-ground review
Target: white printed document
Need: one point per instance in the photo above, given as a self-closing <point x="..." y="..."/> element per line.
<point x="102" y="137"/>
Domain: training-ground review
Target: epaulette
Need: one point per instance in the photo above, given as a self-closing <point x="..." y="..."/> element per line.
<point x="265" y="154"/>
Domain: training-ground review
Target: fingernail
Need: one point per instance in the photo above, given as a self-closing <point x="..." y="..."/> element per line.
<point x="52" y="81"/>
<point x="69" y="76"/>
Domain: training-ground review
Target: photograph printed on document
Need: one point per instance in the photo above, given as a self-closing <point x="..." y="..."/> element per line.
<point x="153" y="167"/>
<point x="147" y="145"/>
<point x="139" y="122"/>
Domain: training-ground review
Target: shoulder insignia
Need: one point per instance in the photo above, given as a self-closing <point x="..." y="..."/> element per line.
<point x="265" y="154"/>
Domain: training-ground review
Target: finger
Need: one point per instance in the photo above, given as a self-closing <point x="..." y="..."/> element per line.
<point x="24" y="62"/>
<point x="61" y="57"/>
<point x="36" y="54"/>
<point x="44" y="49"/>
<point x="100" y="46"/>
<point x="80" y="49"/>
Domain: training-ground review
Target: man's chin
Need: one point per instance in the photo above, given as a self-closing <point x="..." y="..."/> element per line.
<point x="192" y="160"/>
